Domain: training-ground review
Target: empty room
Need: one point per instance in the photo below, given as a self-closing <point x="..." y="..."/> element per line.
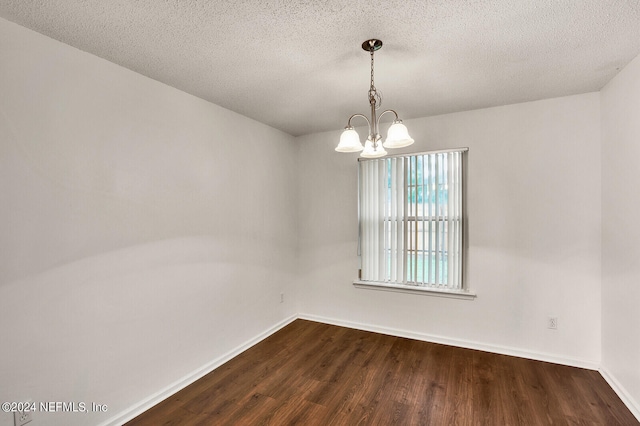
<point x="314" y="213"/>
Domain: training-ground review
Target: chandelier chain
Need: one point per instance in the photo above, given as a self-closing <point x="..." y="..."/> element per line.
<point x="375" y="97"/>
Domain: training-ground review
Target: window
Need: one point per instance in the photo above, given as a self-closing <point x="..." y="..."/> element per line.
<point x="411" y="221"/>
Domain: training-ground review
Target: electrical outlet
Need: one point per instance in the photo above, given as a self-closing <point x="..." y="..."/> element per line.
<point x="281" y="297"/>
<point x="552" y="323"/>
<point x="21" y="417"/>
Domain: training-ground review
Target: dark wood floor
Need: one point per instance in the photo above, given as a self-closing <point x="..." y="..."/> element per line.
<point x="316" y="374"/>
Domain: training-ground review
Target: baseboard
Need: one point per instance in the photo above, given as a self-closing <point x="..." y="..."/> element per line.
<point x="154" y="399"/>
<point x="628" y="400"/>
<point x="504" y="350"/>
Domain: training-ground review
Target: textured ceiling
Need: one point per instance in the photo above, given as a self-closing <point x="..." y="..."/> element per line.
<point x="298" y="65"/>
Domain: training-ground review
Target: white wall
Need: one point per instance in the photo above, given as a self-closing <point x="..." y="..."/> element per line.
<point x="534" y="233"/>
<point x="143" y="232"/>
<point x="621" y="231"/>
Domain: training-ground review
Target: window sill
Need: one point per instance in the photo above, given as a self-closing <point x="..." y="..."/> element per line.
<point x="426" y="291"/>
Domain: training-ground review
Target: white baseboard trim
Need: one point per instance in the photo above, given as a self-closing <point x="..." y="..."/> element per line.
<point x="628" y="400"/>
<point x="180" y="384"/>
<point x="503" y="350"/>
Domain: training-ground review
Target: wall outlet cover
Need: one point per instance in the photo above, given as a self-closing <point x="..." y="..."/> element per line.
<point x="21" y="417"/>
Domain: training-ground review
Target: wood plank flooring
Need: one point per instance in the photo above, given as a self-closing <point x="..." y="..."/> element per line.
<point x="310" y="373"/>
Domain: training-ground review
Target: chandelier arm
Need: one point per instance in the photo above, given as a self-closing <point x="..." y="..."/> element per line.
<point x="359" y="115"/>
<point x="383" y="113"/>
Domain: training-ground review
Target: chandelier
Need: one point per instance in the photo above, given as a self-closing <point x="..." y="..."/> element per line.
<point x="397" y="135"/>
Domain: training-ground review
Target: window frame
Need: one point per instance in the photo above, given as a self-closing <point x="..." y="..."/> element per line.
<point x="412" y="287"/>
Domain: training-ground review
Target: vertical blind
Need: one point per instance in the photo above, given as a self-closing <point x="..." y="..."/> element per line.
<point x="410" y="215"/>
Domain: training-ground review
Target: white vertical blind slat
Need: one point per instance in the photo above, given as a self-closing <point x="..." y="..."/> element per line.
<point x="437" y="221"/>
<point x="364" y="231"/>
<point x="386" y="222"/>
<point x="382" y="264"/>
<point x="460" y="219"/>
<point x="370" y="222"/>
<point x="424" y="213"/>
<point x="405" y="225"/>
<point x="393" y="221"/>
<point x="430" y="216"/>
<point x="400" y="220"/>
<point x="415" y="218"/>
<point x="367" y="224"/>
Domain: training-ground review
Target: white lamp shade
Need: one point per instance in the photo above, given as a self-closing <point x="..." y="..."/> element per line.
<point x="398" y="136"/>
<point x="349" y="141"/>
<point x="369" y="152"/>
